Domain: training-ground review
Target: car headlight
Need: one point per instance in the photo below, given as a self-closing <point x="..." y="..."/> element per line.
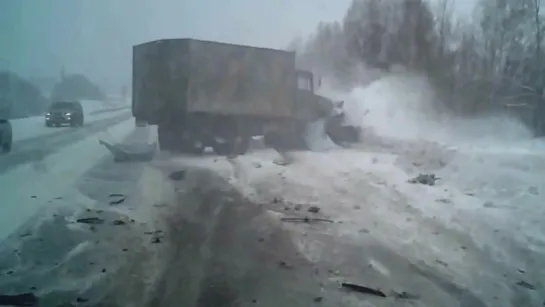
<point x="68" y="114"/>
<point x="48" y="114"/>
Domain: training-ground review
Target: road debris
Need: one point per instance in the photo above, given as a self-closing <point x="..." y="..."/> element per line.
<point x="314" y="209"/>
<point x="526" y="285"/>
<point x="285" y="265"/>
<point x="91" y="220"/>
<point x="444" y="200"/>
<point x="441" y="262"/>
<point x="118" y="201"/>
<point x="26" y="234"/>
<point x="305" y="219"/>
<point x="428" y="179"/>
<point x="256" y="165"/>
<point x="405" y="295"/>
<point x="177" y="175"/>
<point x="363" y="289"/>
<point x="123" y="153"/>
<point x="489" y="204"/>
<point x="25" y="299"/>
<point x="119" y="222"/>
<point x="533" y="190"/>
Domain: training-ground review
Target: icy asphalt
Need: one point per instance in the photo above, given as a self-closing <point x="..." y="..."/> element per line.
<point x="226" y="232"/>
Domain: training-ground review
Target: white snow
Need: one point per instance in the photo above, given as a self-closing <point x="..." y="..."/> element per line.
<point x="316" y="138"/>
<point x="52" y="177"/>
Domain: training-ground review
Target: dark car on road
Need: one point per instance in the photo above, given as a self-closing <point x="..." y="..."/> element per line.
<point x="64" y="112"/>
<point x="6" y="136"/>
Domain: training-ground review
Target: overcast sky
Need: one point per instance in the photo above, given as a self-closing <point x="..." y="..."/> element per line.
<point x="38" y="37"/>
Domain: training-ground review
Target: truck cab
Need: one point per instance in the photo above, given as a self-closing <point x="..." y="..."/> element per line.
<point x="309" y="105"/>
<point x="305" y="80"/>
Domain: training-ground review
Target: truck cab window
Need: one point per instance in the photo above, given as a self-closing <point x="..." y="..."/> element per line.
<point x="304" y="83"/>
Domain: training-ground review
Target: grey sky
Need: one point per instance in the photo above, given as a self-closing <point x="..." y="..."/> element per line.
<point x="38" y="37"/>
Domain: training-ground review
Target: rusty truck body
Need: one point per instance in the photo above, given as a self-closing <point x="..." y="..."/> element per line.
<point x="210" y="94"/>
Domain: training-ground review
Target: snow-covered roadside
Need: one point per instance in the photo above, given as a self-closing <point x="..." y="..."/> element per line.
<point x="475" y="234"/>
<point x="446" y="227"/>
<point x="28" y="188"/>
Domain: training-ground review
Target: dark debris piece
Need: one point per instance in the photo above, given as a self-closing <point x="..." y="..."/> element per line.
<point x="91" y="220"/>
<point x="118" y="201"/>
<point x="428" y="179"/>
<point x="26" y="234"/>
<point x="285" y="265"/>
<point x="405" y="295"/>
<point x="526" y="285"/>
<point x="177" y="175"/>
<point x="314" y="209"/>
<point x="305" y="219"/>
<point x="363" y="289"/>
<point x="25" y="299"/>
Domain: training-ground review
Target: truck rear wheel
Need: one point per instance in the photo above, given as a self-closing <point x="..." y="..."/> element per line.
<point x="191" y="147"/>
<point x="242" y="146"/>
<point x="232" y="147"/>
<point x="165" y="137"/>
<point x="223" y="149"/>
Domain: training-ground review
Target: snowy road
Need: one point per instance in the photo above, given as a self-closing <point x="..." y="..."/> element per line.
<point x="44" y="163"/>
<point x="233" y="231"/>
<point x="455" y="243"/>
<point x="26" y="128"/>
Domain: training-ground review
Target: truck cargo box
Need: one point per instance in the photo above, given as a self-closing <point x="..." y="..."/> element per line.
<point x="188" y="75"/>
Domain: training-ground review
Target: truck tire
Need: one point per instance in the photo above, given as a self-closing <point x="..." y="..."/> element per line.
<point x="242" y="146"/>
<point x="191" y="147"/>
<point x="223" y="149"/>
<point x="232" y="147"/>
<point x="6" y="146"/>
<point x="165" y="138"/>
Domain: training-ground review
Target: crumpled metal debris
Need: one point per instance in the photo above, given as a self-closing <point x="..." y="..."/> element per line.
<point x="131" y="153"/>
<point x="428" y="179"/>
